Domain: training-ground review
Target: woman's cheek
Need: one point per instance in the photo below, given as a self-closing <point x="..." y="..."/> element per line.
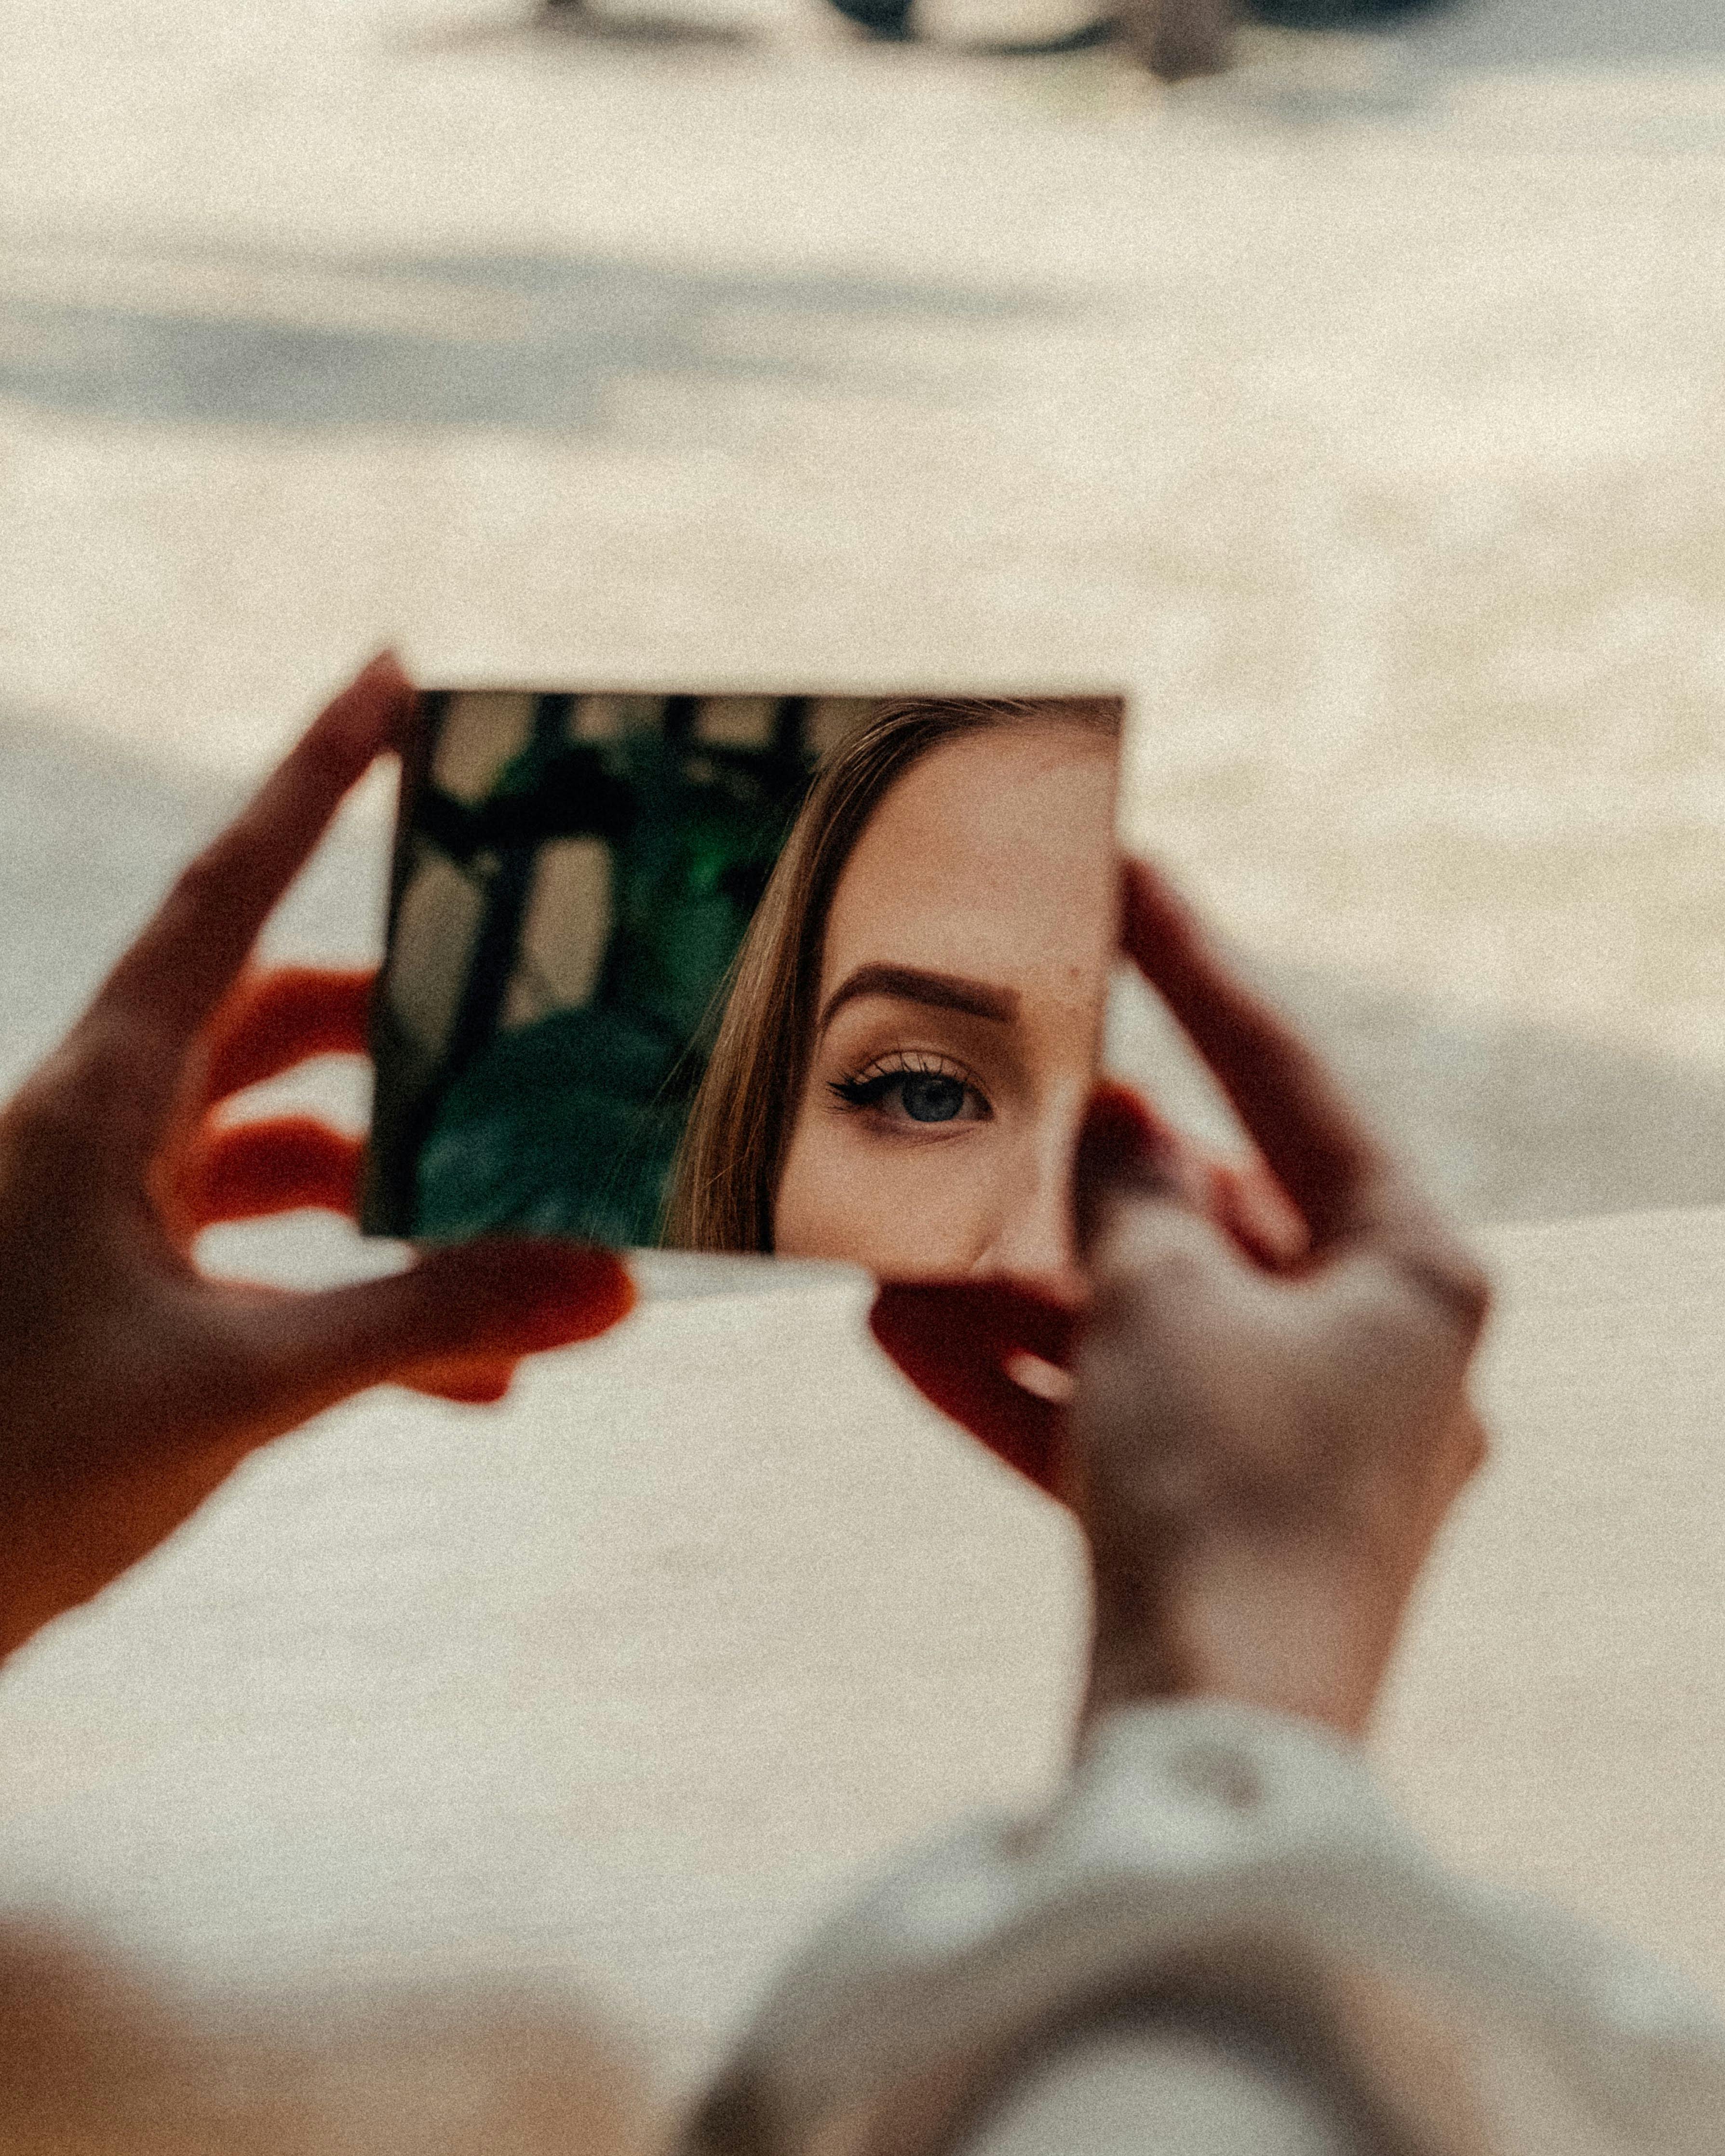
<point x="812" y="1211"/>
<point x="831" y="1203"/>
<point x="898" y="1207"/>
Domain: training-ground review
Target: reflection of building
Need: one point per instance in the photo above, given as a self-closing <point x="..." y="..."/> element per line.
<point x="573" y="880"/>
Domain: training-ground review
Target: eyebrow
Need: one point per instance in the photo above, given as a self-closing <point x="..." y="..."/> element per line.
<point x="911" y="984"/>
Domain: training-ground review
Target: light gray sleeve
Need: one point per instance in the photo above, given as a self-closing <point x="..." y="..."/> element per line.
<point x="1149" y="2084"/>
<point x="1285" y="1971"/>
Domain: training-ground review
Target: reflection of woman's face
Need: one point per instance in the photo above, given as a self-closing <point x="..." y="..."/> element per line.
<point x="960" y="1000"/>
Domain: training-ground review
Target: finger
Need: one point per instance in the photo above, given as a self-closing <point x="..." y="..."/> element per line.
<point x="1341" y="1177"/>
<point x="1124" y="1150"/>
<point x="1139" y="1215"/>
<point x="484" y="1302"/>
<point x="170" y="981"/>
<point x="1473" y="1447"/>
<point x="1127" y="1149"/>
<point x="469" y="1383"/>
<point x="254" y="1169"/>
<point x="272" y="1021"/>
<point x="955" y="1340"/>
<point x="1251" y="1205"/>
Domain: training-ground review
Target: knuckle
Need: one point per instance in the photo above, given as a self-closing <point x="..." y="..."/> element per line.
<point x="131" y="1045"/>
<point x="103" y="1084"/>
<point x="44" y="1125"/>
<point x="1426" y="1258"/>
<point x="98" y="1067"/>
<point x="1151" y="1248"/>
<point x="1127" y="1310"/>
<point x="1455" y="1279"/>
<point x="49" y="1140"/>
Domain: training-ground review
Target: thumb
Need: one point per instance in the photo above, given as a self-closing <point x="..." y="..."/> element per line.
<point x="957" y="1340"/>
<point x="487" y="1301"/>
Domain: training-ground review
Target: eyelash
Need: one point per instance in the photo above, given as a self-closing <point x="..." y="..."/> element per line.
<point x="868" y="1088"/>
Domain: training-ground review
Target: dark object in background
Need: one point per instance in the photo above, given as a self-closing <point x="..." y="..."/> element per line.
<point x="1333" y="14"/>
<point x="1175" y="38"/>
<point x="891" y="22"/>
<point x="881" y="18"/>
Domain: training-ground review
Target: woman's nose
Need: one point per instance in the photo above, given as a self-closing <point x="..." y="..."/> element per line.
<point x="1035" y="1243"/>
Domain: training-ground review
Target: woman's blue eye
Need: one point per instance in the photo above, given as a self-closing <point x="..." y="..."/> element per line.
<point x="917" y="1097"/>
<point x="930" y="1098"/>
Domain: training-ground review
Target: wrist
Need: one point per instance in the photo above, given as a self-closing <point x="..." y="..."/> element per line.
<point x="1299" y="1629"/>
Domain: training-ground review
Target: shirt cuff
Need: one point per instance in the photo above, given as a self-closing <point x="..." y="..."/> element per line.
<point x="1232" y="1855"/>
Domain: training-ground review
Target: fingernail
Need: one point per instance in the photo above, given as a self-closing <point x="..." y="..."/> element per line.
<point x="384" y="709"/>
<point x="585" y="1288"/>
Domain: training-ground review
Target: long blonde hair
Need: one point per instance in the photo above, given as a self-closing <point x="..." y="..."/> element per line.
<point x="726" y="1179"/>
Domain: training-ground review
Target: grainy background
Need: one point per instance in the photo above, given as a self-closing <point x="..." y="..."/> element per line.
<point x="1362" y="411"/>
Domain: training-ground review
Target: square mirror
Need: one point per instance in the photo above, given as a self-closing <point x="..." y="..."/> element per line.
<point x="808" y="975"/>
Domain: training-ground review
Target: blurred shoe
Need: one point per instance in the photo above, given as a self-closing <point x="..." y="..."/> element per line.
<point x="880" y="18"/>
<point x="902" y="19"/>
<point x="996" y="32"/>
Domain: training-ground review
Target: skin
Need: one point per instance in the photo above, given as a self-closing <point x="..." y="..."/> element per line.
<point x="1267" y="1430"/>
<point x="132" y="1384"/>
<point x="1264" y="1440"/>
<point x="967" y="951"/>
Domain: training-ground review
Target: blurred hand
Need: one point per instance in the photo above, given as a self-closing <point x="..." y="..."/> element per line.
<point x="130" y="1384"/>
<point x="1271" y="1419"/>
<point x="1262" y="1454"/>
